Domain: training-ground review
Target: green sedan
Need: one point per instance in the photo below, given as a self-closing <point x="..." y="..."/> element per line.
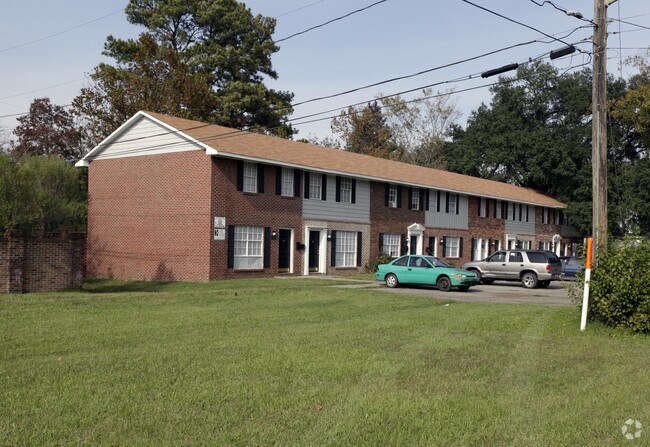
<point x="425" y="270"/>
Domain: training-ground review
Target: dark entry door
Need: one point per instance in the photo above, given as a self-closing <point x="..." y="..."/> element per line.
<point x="284" y="250"/>
<point x="414" y="245"/>
<point x="314" y="258"/>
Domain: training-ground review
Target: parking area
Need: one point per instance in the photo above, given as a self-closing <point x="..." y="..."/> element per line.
<point x="499" y="292"/>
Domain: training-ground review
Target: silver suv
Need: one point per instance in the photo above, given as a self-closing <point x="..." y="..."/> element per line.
<point x="534" y="268"/>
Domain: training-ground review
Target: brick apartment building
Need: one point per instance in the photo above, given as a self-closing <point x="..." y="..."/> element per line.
<point x="174" y="199"/>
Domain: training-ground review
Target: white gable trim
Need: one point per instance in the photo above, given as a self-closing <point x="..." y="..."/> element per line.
<point x="97" y="150"/>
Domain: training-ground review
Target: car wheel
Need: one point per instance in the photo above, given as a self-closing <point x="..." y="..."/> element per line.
<point x="477" y="273"/>
<point x="543" y="284"/>
<point x="391" y="280"/>
<point x="463" y="288"/>
<point x="529" y="280"/>
<point x="487" y="282"/>
<point x="444" y="284"/>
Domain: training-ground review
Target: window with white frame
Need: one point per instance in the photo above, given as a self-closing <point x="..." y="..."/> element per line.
<point x="392" y="196"/>
<point x="346" y="190"/>
<point x="545" y="215"/>
<point x="250" y="177"/>
<point x="248" y="253"/>
<point x="346" y="249"/>
<point x="390" y="244"/>
<point x="546" y="245"/>
<point x="315" y="186"/>
<point x="415" y="198"/>
<point x="451" y="198"/>
<point x="557" y="217"/>
<point x="287" y="182"/>
<point x="497" y="207"/>
<point x="452" y="247"/>
<point x="524" y="245"/>
<point x="482" y="208"/>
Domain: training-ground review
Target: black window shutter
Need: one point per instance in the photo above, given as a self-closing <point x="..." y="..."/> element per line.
<point x="432" y="245"/>
<point x="527" y="212"/>
<point x="495" y="208"/>
<point x="381" y="242"/>
<point x="540" y="245"/>
<point x="359" y="247"/>
<point x="473" y="249"/>
<point x="306" y="184"/>
<point x="333" y="250"/>
<point x="323" y="195"/>
<point x="240" y="175"/>
<point x="504" y="209"/>
<point x="338" y="188"/>
<point x="426" y="199"/>
<point x="231" y="246"/>
<point x="386" y="194"/>
<point x="447" y="205"/>
<point x="410" y="192"/>
<point x="457" y="203"/>
<point x="399" y="196"/>
<point x="404" y="248"/>
<point x="438" y="201"/>
<point x="460" y="248"/>
<point x="260" y="178"/>
<point x="267" y="247"/>
<point x="296" y="183"/>
<point x="354" y="190"/>
<point x="480" y="202"/>
<point x="278" y="180"/>
<point x="444" y="246"/>
<point x="521" y="209"/>
<point x="487" y="207"/>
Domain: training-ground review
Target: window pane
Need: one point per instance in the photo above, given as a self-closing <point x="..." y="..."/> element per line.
<point x="415" y="199"/>
<point x="451" y="247"/>
<point x="390" y="244"/>
<point x="248" y="247"/>
<point x="315" y="182"/>
<point x="392" y="196"/>
<point x="346" y="249"/>
<point x="250" y="177"/>
<point x="346" y="190"/>
<point x="287" y="182"/>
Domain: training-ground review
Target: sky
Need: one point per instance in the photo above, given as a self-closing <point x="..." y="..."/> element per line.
<point x="47" y="48"/>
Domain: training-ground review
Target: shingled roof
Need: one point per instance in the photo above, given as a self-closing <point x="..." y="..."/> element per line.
<point x="228" y="142"/>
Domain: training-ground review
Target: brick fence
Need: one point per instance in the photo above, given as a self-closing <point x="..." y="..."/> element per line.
<point x="41" y="265"/>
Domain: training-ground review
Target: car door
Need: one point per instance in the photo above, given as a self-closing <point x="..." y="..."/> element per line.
<point x="420" y="271"/>
<point x="515" y="264"/>
<point x="495" y="266"/>
<point x="400" y="268"/>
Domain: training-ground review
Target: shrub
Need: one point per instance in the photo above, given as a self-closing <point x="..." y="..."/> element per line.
<point x="383" y="258"/>
<point x="620" y="286"/>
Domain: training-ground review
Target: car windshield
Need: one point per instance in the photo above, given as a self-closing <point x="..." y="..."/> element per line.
<point x="436" y="262"/>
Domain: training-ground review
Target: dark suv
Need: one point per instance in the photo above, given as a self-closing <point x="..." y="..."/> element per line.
<point x="534" y="268"/>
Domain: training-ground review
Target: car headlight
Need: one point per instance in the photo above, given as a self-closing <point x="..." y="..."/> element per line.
<point x="459" y="275"/>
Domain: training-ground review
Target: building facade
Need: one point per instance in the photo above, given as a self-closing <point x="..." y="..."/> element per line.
<point x="174" y="199"/>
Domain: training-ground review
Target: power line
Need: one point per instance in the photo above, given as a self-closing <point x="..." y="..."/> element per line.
<point x="516" y="21"/>
<point x="330" y="21"/>
<point x="575" y="14"/>
<point x="43" y="88"/>
<point x="299" y="9"/>
<point x="60" y="32"/>
<point x="630" y="23"/>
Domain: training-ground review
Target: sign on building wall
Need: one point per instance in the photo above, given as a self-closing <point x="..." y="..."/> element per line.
<point x="219" y="228"/>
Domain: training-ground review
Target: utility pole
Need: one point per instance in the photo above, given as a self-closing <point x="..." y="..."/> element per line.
<point x="599" y="127"/>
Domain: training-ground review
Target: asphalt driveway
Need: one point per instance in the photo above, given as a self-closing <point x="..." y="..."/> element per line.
<point x="499" y="292"/>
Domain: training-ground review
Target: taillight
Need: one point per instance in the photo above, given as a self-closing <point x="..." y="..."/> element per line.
<point x="548" y="267"/>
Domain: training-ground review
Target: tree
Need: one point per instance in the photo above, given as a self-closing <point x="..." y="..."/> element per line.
<point x="40" y="196"/>
<point x="537" y="133"/>
<point x="419" y="127"/>
<point x="364" y="130"/>
<point x="48" y="129"/>
<point x="196" y="59"/>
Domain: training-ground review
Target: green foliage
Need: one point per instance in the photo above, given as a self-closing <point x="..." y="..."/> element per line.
<point x="196" y="59"/>
<point x="383" y="258"/>
<point x="620" y="286"/>
<point x="40" y="196"/>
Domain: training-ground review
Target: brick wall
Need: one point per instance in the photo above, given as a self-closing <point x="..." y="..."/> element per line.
<point x="344" y="226"/>
<point x="258" y="209"/>
<point x="389" y="220"/>
<point x="41" y="265"/>
<point x="149" y="217"/>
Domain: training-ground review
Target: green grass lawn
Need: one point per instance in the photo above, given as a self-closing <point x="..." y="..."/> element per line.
<point x="298" y="362"/>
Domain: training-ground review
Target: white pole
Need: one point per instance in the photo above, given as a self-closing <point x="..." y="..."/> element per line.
<point x="585" y="297"/>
